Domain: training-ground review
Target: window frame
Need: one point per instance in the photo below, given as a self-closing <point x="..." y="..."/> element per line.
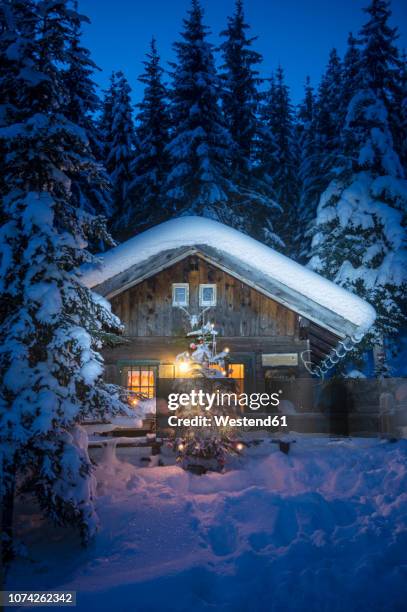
<point x="180" y="286"/>
<point x="203" y="286"/>
<point x="145" y="366"/>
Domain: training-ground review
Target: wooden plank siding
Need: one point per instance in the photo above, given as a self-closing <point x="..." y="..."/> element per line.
<point x="146" y="309"/>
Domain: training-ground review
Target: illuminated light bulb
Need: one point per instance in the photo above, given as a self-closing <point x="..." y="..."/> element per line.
<point x="184" y="367"/>
<point x="181" y="447"/>
<point x="239" y="446"/>
<point x="227" y="350"/>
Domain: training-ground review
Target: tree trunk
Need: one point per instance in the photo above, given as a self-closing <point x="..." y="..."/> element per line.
<point x="379" y="358"/>
<point x="6" y="520"/>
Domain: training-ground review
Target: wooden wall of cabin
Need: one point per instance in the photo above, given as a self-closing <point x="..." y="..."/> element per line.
<point x="248" y="322"/>
<point x="146" y="310"/>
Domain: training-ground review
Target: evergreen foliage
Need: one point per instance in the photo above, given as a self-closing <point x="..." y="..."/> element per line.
<point x="351" y="65"/>
<point x="50" y="325"/>
<point x="241" y="107"/>
<point x="200" y="146"/>
<point x="91" y="193"/>
<point x="240" y="96"/>
<point x="146" y="204"/>
<point x="282" y="165"/>
<point x="360" y="232"/>
<point x="121" y="142"/>
<point x="308" y="191"/>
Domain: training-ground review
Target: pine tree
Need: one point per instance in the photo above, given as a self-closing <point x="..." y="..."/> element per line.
<point x="319" y="165"/>
<point x="400" y="113"/>
<point x="308" y="195"/>
<point x="359" y="240"/>
<point x="283" y="164"/>
<point x="120" y="143"/>
<point x="82" y="104"/>
<point x="328" y="115"/>
<point x="51" y="326"/>
<point x="105" y="122"/>
<point x="380" y="54"/>
<point x="14" y="62"/>
<point x="200" y="146"/>
<point x="267" y="163"/>
<point x="381" y="62"/>
<point x="146" y="202"/>
<point x="240" y="96"/>
<point x="241" y="107"/>
<point x="351" y="64"/>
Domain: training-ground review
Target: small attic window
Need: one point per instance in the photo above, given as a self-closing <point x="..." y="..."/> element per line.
<point x="180" y="294"/>
<point x="207" y="295"/>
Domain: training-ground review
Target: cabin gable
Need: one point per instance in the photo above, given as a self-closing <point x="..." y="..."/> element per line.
<point x="147" y="309"/>
<point x="266" y="303"/>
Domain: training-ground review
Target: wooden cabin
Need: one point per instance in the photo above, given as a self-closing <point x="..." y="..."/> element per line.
<point x="279" y="319"/>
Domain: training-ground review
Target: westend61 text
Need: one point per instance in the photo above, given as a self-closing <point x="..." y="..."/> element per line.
<point x="207" y="401"/>
<point x="228" y="421"/>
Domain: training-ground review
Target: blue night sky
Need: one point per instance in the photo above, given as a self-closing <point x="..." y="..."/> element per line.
<point x="296" y="33"/>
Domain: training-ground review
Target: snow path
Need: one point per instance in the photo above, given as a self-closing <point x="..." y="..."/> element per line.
<point x="323" y="528"/>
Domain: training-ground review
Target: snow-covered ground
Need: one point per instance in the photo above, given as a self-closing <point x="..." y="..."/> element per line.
<point x="323" y="528"/>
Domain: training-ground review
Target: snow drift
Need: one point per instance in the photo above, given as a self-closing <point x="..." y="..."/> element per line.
<point x="323" y="528"/>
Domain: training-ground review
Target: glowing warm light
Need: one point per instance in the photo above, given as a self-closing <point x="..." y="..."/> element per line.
<point x="239" y="446"/>
<point x="181" y="447"/>
<point x="134" y="402"/>
<point x="183" y="367"/>
<point x="227" y="350"/>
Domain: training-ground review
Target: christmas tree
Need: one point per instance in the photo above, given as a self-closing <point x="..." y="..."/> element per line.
<point x="203" y="367"/>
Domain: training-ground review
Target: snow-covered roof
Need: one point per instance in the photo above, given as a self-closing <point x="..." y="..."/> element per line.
<point x="260" y="266"/>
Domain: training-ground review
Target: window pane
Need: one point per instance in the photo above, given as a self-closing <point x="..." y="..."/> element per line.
<point x="146" y="378"/>
<point x="236" y="370"/>
<point x="133" y="378"/>
<point x="141" y="379"/>
<point x="180" y="294"/>
<point x="166" y="370"/>
<point x="207" y="294"/>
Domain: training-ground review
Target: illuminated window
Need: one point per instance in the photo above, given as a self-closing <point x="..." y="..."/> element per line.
<point x="207" y="295"/>
<point x="180" y="294"/>
<point x="169" y="370"/>
<point x="236" y="370"/>
<point x="141" y="379"/>
<point x="177" y="370"/>
<point x="166" y="370"/>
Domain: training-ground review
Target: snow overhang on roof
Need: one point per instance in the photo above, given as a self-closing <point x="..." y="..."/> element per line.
<point x="259" y="266"/>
